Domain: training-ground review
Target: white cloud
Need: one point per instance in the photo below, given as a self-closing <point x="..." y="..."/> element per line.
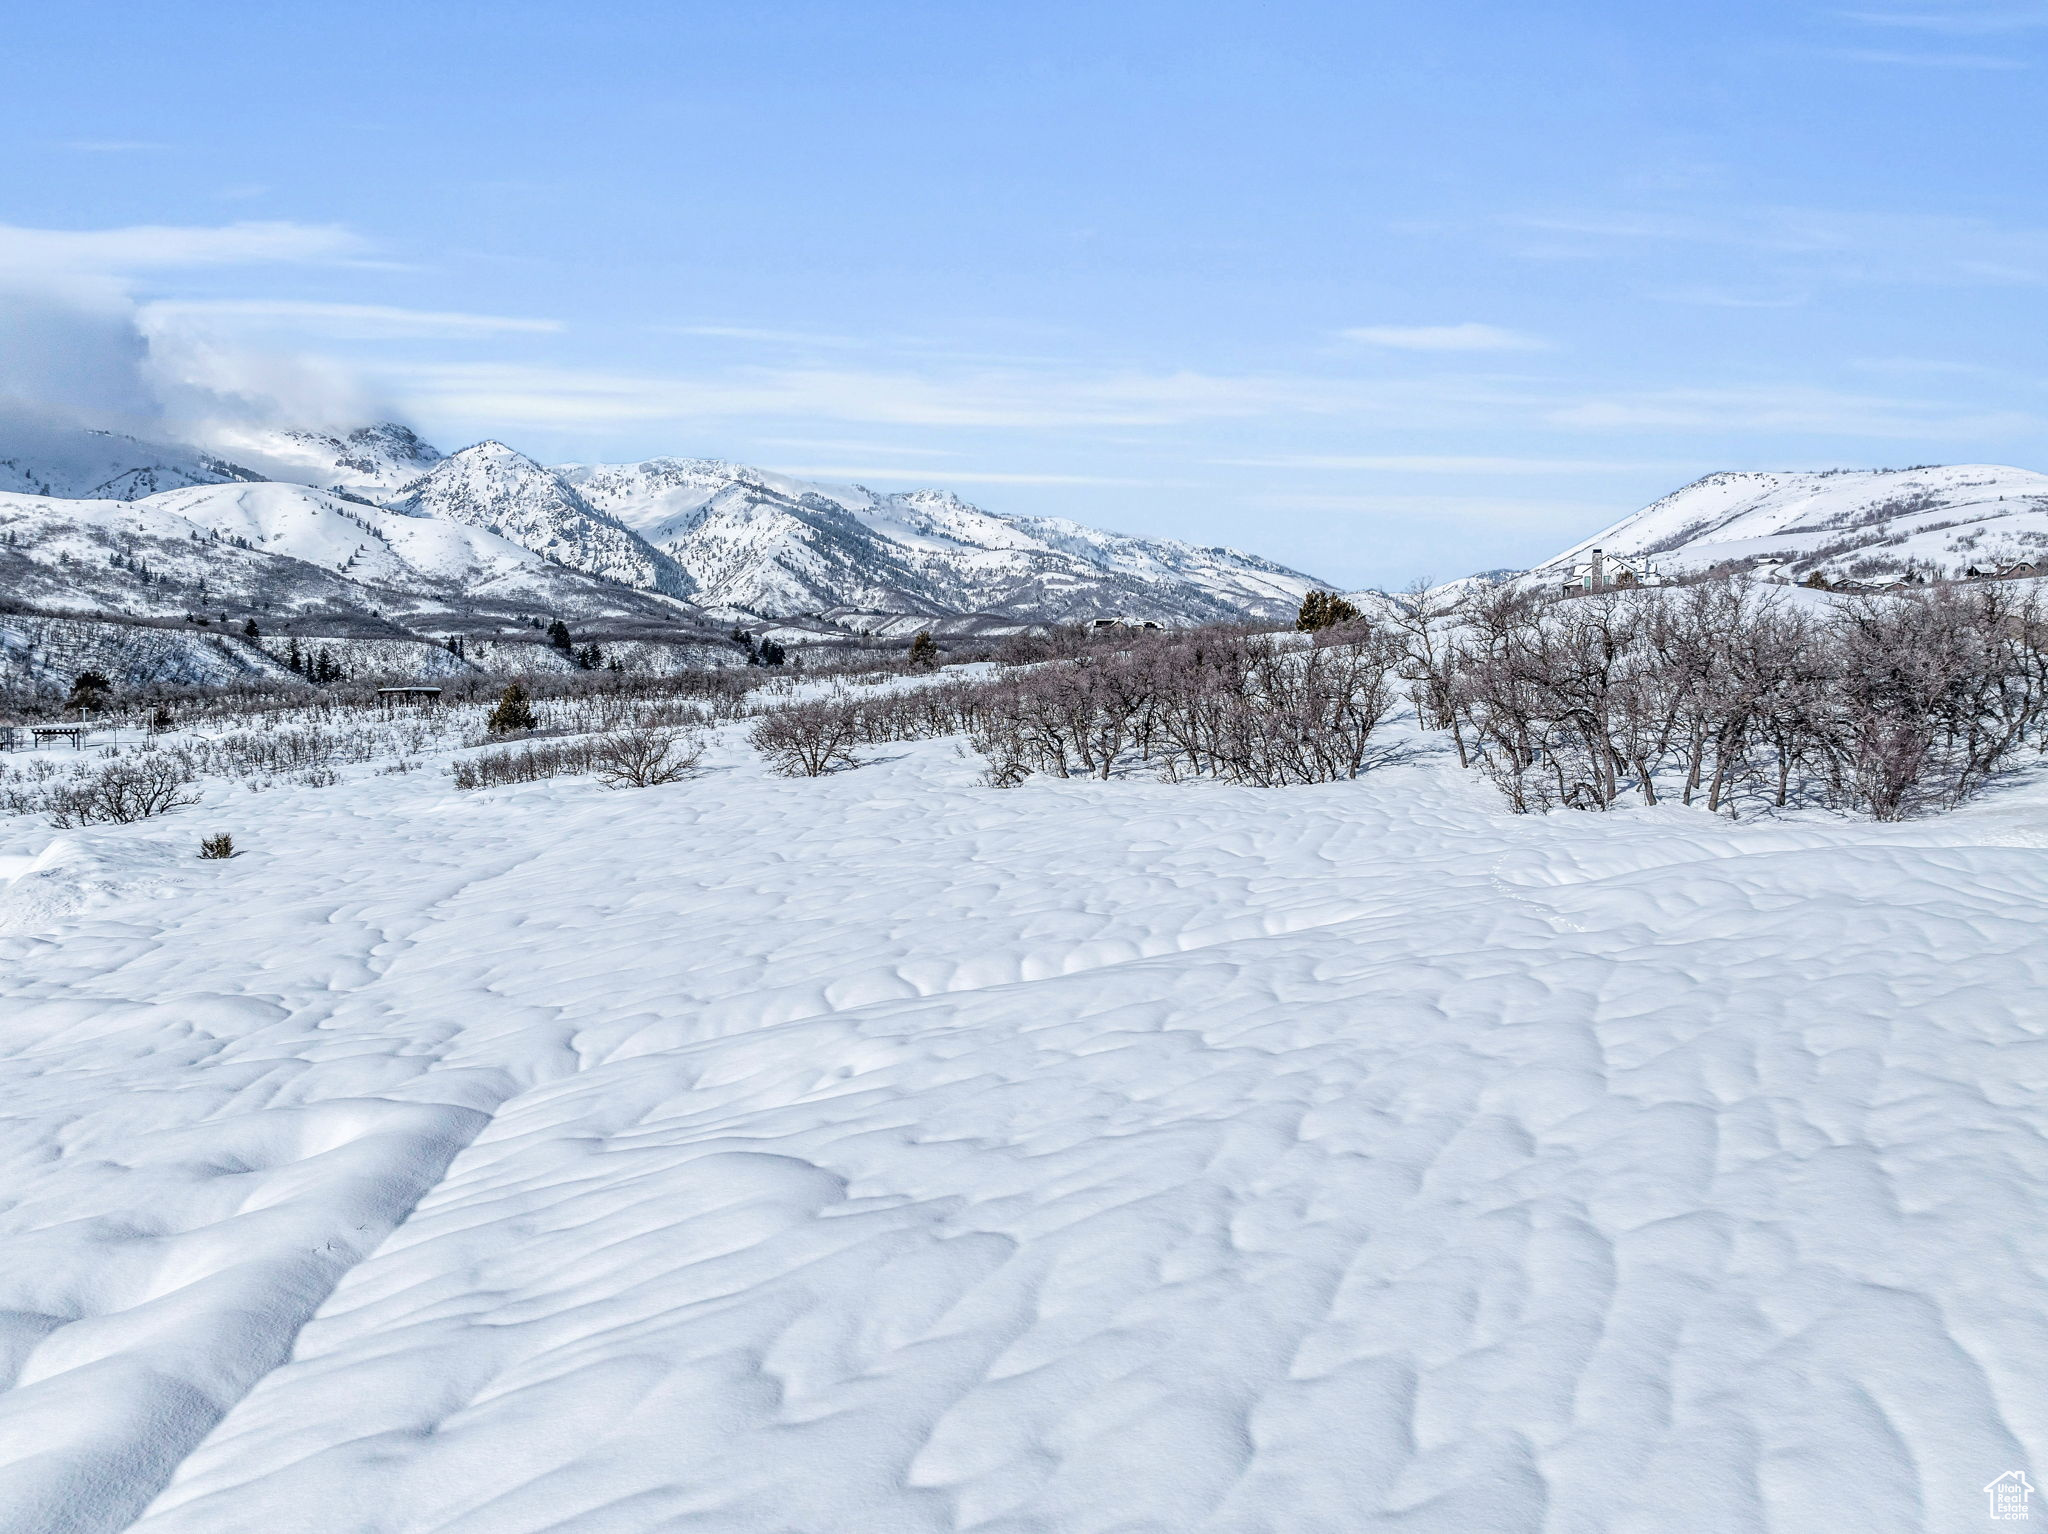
<point x="528" y="395"/>
<point x="928" y="475"/>
<point x="354" y="322"/>
<point x="1964" y="20"/>
<point x="1819" y="242"/>
<point x="1443" y="464"/>
<point x="1927" y="60"/>
<point x="773" y="337"/>
<point x="1789" y="409"/>
<point x="146" y="247"/>
<point x="1497" y="510"/>
<point x="1469" y="337"/>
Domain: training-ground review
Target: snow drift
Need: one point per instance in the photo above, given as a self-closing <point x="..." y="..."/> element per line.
<point x="883" y="1152"/>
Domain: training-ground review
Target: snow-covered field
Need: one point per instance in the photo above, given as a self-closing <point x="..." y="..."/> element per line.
<point x="886" y="1154"/>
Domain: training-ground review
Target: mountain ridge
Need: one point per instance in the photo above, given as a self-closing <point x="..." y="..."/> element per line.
<point x="1935" y="519"/>
<point x="746" y="544"/>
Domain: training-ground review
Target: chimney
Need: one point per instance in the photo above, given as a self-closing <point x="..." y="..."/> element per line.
<point x="1599" y="571"/>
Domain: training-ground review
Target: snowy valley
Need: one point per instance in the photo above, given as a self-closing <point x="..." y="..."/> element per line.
<point x="1488" y="1060"/>
<point x="882" y="1150"/>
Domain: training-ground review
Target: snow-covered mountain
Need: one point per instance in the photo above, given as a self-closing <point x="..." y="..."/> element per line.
<point x="1842" y="522"/>
<point x="45" y="458"/>
<point x="371" y="463"/>
<point x="492" y="487"/>
<point x="743" y="542"/>
<point x="283" y="549"/>
<point x="769" y="544"/>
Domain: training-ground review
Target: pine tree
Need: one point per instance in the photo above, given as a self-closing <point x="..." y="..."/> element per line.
<point x="293" y="658"/>
<point x="513" y="713"/>
<point x="924" y="652"/>
<point x="1324" y="609"/>
<point x="558" y="636"/>
<point x="772" y="654"/>
<point x="250" y="631"/>
<point x="89" y="689"/>
<point x="590" y="657"/>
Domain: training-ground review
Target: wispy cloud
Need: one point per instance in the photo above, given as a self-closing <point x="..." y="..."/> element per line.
<point x="146" y="247"/>
<point x="772" y="337"/>
<point x="1790" y="409"/>
<point x="114" y="145"/>
<point x="1409" y="463"/>
<point x="868" y="450"/>
<point x="1871" y="247"/>
<point x="1731" y="298"/>
<point x="1442" y="508"/>
<point x="354" y="322"/>
<point x="927" y="474"/>
<point x="1468" y="337"/>
<point x="526" y="396"/>
<point x="1962" y="20"/>
<point x="566" y="397"/>
<point x="1990" y="61"/>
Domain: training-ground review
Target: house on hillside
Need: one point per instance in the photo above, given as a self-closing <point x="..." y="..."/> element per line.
<point x="1609" y="572"/>
<point x="1102" y="625"/>
<point x="2005" y="572"/>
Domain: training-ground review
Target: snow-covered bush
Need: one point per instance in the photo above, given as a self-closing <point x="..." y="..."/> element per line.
<point x="524" y="764"/>
<point x="1728" y="694"/>
<point x="130" y="789"/>
<point x="808" y="740"/>
<point x="1205" y="703"/>
<point x="643" y="756"/>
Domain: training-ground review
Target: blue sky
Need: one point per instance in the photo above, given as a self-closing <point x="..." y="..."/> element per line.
<point x="1377" y="290"/>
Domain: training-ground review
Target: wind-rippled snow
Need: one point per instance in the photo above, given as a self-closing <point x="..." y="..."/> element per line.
<point x="885" y="1154"/>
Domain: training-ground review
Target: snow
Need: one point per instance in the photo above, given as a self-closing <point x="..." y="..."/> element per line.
<point x="758" y="542"/>
<point x="887" y="1153"/>
<point x="1946" y="517"/>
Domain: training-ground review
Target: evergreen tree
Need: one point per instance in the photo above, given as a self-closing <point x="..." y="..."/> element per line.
<point x="89" y="689"/>
<point x="924" y="651"/>
<point x="772" y="654"/>
<point x="293" y="658"/>
<point x="558" y="636"/>
<point x="1324" y="609"/>
<point x="513" y="713"/>
<point x="250" y="631"/>
<point x="590" y="657"/>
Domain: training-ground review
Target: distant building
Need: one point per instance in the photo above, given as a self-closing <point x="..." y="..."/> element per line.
<point x="1602" y="571"/>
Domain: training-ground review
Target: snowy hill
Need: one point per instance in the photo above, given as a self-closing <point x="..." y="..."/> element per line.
<point x="769" y="544"/>
<point x="744" y="542"/>
<point x="1854" y="522"/>
<point x="886" y="1154"/>
<point x="492" y="487"/>
<point x="374" y="462"/>
<point x="38" y="458"/>
<point x="283" y="549"/>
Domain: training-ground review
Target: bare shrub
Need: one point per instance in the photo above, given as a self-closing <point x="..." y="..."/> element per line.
<point x="134" y="788"/>
<point x="644" y="756"/>
<point x="1726" y="696"/>
<point x="524" y="764"/>
<point x="808" y="740"/>
<point x="1206" y="703"/>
